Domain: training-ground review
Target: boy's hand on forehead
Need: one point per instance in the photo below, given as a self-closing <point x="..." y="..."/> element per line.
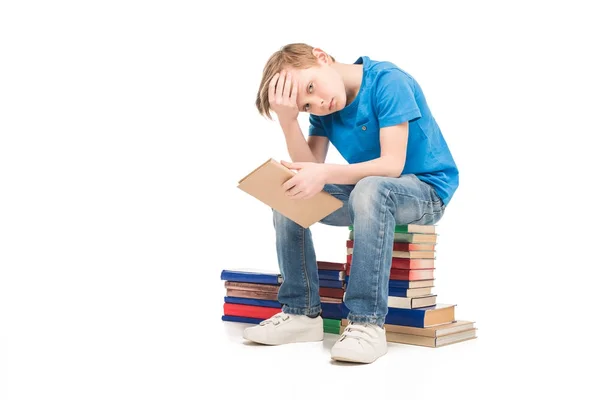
<point x="283" y="95"/>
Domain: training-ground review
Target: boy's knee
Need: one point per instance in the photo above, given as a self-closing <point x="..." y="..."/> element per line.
<point x="368" y="192"/>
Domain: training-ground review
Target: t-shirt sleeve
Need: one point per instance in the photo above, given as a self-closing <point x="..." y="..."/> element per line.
<point x="316" y="126"/>
<point x="395" y="99"/>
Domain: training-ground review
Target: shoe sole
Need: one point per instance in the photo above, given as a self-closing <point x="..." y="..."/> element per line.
<point x="303" y="337"/>
<point x="355" y="358"/>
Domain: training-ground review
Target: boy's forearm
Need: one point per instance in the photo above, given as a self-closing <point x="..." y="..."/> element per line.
<point x="350" y="174"/>
<point x="296" y="143"/>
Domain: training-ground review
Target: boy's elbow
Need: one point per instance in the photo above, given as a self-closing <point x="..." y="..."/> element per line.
<point x="395" y="169"/>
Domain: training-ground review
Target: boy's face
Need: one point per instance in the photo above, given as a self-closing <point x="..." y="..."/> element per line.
<point x="321" y="90"/>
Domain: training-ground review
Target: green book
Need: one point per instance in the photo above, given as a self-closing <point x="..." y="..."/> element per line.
<point x="410" y="228"/>
<point x="331" y="325"/>
<point x="409" y="237"/>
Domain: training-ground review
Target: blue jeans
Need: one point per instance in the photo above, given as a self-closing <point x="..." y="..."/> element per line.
<point x="375" y="205"/>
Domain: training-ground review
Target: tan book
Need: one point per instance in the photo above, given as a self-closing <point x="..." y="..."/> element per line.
<point x="431" y="341"/>
<point x="405" y="254"/>
<point x="265" y="183"/>
<point x="251" y="294"/>
<point x="334" y="300"/>
<point x="434" y="331"/>
<point x="259" y="287"/>
<point x="419" y="292"/>
<point x="420" y="283"/>
<point x="411" y="302"/>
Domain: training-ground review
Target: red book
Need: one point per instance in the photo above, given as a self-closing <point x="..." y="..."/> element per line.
<point x="400" y="246"/>
<point x="411" y="274"/>
<point x="406" y="263"/>
<point x="331" y="292"/>
<point x="245" y="310"/>
<point x="331" y="266"/>
<point x="408" y="274"/>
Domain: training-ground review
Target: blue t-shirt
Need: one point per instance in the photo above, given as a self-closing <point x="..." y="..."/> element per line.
<point x="389" y="96"/>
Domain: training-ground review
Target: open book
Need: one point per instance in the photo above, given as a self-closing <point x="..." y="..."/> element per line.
<point x="266" y="184"/>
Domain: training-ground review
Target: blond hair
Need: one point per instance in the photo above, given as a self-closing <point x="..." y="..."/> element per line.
<point x="294" y="55"/>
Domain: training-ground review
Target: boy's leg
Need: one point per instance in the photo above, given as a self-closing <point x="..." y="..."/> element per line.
<point x="299" y="292"/>
<point x="299" y="320"/>
<point x="377" y="204"/>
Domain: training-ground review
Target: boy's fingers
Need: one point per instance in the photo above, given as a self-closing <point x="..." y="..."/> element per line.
<point x="294" y="94"/>
<point x="288" y="86"/>
<point x="272" y="85"/>
<point x="290" y="183"/>
<point x="280" y="84"/>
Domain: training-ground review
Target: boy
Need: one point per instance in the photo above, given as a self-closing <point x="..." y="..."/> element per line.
<point x="399" y="171"/>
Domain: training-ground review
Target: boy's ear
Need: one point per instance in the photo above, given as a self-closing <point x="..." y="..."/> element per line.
<point x="321" y="55"/>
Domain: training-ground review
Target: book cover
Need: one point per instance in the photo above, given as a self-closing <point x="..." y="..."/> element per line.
<point x="331" y="292"/>
<point x="436" y="336"/>
<point x="251" y="276"/>
<point x="406" y="263"/>
<point x="251" y="294"/>
<point x="429" y="238"/>
<point x="407" y="274"/>
<point x="434" y="331"/>
<point x="458" y="337"/>
<point x="326" y="283"/>
<point x="265" y="184"/>
<point x="259" y="287"/>
<point x="410" y="228"/>
<point x="332" y="266"/>
<point x="405" y="292"/>
<point x="401" y="246"/>
<point x="405" y="254"/>
<point x="245" y="310"/>
<point x="405" y="284"/>
<point x="252" y="302"/>
<point x="411" y="302"/>
<point x="247" y="320"/>
<point x="416" y="317"/>
<point x="332" y="275"/>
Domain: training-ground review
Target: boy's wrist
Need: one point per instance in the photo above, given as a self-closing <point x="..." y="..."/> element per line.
<point x="288" y="123"/>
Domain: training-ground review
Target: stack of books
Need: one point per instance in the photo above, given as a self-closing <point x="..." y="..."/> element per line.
<point x="250" y="295"/>
<point x="414" y="316"/>
<point x="332" y="286"/>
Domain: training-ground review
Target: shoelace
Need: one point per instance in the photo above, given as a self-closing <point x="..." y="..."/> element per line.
<point x="358" y="331"/>
<point x="276" y="319"/>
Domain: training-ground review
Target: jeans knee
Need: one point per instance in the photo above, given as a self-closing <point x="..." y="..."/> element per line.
<point x="368" y="194"/>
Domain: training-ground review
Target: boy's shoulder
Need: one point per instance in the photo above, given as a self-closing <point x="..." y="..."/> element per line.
<point x="376" y="67"/>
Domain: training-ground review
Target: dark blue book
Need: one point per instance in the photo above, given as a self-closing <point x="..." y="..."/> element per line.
<point x="416" y="317"/>
<point x="331" y="284"/>
<point x="331" y="310"/>
<point x="399" y="284"/>
<point x="251" y="275"/>
<point x="332" y="275"/>
<point x="252" y="302"/>
<point x="247" y="320"/>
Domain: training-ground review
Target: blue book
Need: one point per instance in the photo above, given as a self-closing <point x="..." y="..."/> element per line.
<point x="399" y="284"/>
<point x="424" y="317"/>
<point x="331" y="284"/>
<point x="253" y="302"/>
<point x="331" y="310"/>
<point x="332" y="275"/>
<point x="247" y="320"/>
<point x="252" y="276"/>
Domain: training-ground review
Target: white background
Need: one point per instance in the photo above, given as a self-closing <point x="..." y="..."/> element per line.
<point x="126" y="125"/>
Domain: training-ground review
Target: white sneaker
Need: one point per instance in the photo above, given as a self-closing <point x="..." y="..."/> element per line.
<point x="360" y="343"/>
<point x="285" y="328"/>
